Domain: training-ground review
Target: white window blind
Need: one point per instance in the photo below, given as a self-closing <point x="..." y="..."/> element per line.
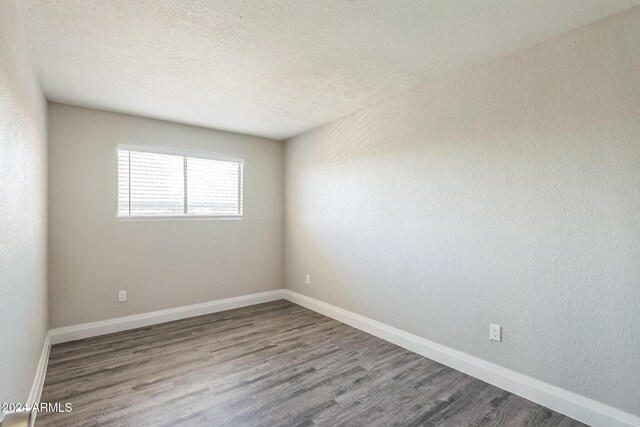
<point x="166" y="185"/>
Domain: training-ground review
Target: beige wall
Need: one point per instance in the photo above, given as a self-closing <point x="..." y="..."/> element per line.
<point x="161" y="263"/>
<point x="23" y="210"/>
<point x="508" y="194"/>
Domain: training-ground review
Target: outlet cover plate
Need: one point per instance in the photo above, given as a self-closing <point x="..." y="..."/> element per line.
<point x="495" y="332"/>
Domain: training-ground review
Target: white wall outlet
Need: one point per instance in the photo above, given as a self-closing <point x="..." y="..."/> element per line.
<point x="307" y="280"/>
<point x="122" y="296"/>
<point x="495" y="332"/>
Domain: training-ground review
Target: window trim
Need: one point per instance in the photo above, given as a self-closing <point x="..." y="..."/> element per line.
<point x="184" y="154"/>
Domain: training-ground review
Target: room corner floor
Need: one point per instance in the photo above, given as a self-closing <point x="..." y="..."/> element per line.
<point x="273" y="364"/>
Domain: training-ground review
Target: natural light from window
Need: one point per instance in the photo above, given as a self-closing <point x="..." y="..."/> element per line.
<point x="152" y="184"/>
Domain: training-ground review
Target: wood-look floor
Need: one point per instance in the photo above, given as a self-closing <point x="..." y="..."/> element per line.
<point x="273" y="364"/>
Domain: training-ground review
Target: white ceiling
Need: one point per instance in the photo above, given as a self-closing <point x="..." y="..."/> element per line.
<point x="280" y="67"/>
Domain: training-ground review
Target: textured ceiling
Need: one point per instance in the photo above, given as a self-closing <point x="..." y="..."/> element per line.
<point x="275" y="68"/>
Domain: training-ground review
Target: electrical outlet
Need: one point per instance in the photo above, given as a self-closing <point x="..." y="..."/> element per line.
<point x="495" y="332"/>
<point x="308" y="280"/>
<point x="122" y="296"/>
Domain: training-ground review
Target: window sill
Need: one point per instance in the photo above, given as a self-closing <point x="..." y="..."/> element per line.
<point x="179" y="217"/>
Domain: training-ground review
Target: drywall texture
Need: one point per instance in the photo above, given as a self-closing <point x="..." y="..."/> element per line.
<point x="23" y="210"/>
<point x="161" y="263"/>
<point x="508" y="194"/>
<point x="275" y="68"/>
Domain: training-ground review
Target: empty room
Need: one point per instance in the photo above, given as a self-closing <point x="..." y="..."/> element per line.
<point x="320" y="212"/>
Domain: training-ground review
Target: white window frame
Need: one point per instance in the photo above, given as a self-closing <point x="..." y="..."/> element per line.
<point x="194" y="155"/>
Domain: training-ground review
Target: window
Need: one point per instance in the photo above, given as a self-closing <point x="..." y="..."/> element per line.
<point x="166" y="185"/>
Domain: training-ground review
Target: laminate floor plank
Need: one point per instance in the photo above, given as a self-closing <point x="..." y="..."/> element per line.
<point x="272" y="364"/>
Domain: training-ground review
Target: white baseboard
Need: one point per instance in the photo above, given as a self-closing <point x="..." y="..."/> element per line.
<point x="571" y="404"/>
<point x="38" y="380"/>
<point x="86" y="330"/>
<point x="41" y="371"/>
